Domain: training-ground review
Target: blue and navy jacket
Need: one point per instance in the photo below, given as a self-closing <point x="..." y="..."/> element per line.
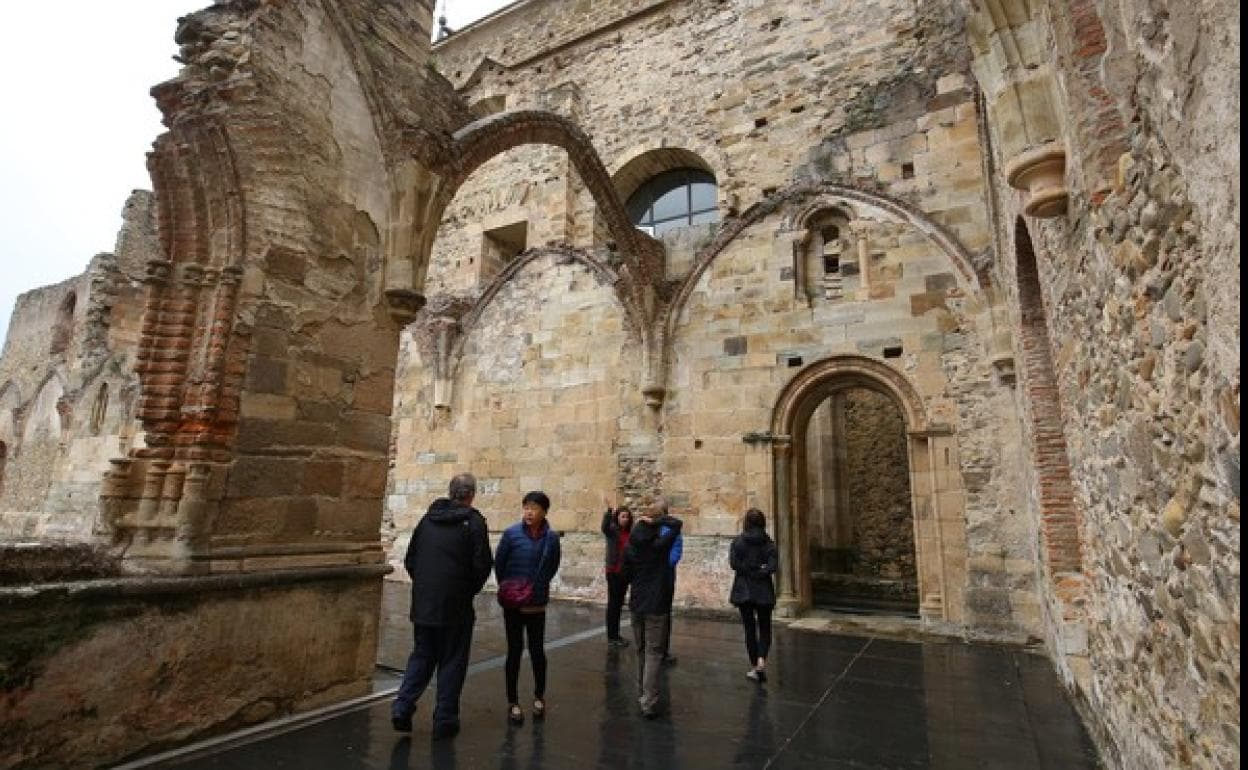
<point x="517" y="556"/>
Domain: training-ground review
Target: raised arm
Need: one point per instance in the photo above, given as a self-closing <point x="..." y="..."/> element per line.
<point x="609" y="523"/>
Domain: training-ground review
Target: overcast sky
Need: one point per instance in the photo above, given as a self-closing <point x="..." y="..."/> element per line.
<point x="78" y="122"/>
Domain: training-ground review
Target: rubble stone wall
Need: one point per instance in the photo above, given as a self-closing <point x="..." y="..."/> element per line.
<point x="1137" y="291"/>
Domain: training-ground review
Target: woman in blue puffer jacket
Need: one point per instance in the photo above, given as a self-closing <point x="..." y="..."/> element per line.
<point x="527" y="555"/>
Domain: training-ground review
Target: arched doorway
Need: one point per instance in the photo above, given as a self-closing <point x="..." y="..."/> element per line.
<point x="856" y="499"/>
<point x="934" y="484"/>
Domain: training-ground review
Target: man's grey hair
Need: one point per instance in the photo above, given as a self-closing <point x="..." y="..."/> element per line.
<point x="463" y="487"/>
<point x="660" y="506"/>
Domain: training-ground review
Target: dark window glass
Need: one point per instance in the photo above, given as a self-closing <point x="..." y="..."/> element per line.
<point x="674" y="199"/>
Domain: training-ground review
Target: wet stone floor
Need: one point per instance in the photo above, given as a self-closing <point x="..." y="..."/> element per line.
<point x="829" y="702"/>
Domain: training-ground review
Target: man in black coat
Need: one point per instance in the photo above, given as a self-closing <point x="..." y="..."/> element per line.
<point x="647" y="570"/>
<point x="449" y="560"/>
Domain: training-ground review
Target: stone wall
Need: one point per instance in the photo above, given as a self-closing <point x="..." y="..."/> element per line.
<point x="1134" y="287"/>
<point x="879" y="487"/>
<point x="545" y="391"/>
<point x="117" y="667"/>
<point x="68" y="391"/>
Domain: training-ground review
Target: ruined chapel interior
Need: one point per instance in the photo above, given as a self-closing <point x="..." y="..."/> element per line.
<point x="948" y="289"/>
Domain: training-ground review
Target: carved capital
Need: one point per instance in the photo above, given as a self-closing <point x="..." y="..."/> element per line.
<point x="654" y="395"/>
<point x="404" y="304"/>
<point x="1041" y="173"/>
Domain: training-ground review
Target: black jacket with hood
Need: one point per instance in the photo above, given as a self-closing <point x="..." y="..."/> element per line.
<point x="449" y="559"/>
<point x="646" y="566"/>
<point x="754" y="559"/>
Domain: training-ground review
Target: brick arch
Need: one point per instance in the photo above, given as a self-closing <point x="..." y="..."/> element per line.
<point x="490" y="136"/>
<point x="1059" y="520"/>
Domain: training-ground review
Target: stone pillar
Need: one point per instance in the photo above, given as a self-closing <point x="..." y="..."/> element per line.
<point x="859" y="230"/>
<point x="787" y="601"/>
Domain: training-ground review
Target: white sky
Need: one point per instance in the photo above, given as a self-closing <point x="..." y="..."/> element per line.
<point x="78" y="122"/>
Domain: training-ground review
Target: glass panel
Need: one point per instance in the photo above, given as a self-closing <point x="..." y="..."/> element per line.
<point x="670" y="225"/>
<point x="703" y="196"/>
<point x="706" y="217"/>
<point x="673" y="203"/>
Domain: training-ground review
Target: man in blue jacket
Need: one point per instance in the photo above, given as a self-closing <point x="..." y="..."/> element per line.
<point x="449" y="560"/>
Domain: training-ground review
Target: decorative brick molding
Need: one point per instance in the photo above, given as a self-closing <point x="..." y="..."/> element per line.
<point x="1059" y="519"/>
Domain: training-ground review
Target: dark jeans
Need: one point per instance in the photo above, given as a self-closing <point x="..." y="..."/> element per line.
<point x="668" y="596"/>
<point x="444" y="648"/>
<point x="757" y="622"/>
<point x="533" y="625"/>
<point x="617" y="588"/>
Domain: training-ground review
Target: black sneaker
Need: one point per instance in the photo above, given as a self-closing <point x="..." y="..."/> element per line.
<point x="401" y="724"/>
<point x="618" y="642"/>
<point x="669" y="660"/>
<point x="440" y="732"/>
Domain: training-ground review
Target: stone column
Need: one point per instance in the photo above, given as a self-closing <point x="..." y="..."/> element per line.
<point x="859" y="229"/>
<point x="787" y="602"/>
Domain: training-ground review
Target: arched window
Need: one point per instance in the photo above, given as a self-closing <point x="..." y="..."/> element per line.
<point x="99" y="409"/>
<point x="674" y="199"/>
<point x="63" y="331"/>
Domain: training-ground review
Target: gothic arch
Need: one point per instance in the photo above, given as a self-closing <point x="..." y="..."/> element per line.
<point x="513" y="270"/>
<point x="939" y="523"/>
<point x="45" y="408"/>
<point x="805" y="200"/>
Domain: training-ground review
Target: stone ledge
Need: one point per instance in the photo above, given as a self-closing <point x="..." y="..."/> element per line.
<point x="194" y="584"/>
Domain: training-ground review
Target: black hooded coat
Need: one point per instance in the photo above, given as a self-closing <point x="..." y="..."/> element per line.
<point x="754" y="559"/>
<point x="449" y="559"/>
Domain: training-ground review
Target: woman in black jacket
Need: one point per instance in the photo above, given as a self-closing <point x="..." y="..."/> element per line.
<point x="617" y="525"/>
<point x="754" y="559"/>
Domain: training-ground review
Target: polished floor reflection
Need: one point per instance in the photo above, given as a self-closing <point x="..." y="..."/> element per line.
<point x="830" y="702"/>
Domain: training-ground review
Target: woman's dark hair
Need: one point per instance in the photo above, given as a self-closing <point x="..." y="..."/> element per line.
<point x="539" y="498"/>
<point x="624" y="509"/>
<point x="754" y="519"/>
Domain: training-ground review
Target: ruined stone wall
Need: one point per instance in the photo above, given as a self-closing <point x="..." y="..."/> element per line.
<point x="879" y="487"/>
<point x="248" y="642"/>
<point x="547" y="388"/>
<point x="879" y="101"/>
<point x="69" y="389"/>
<point x="1141" y="304"/>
